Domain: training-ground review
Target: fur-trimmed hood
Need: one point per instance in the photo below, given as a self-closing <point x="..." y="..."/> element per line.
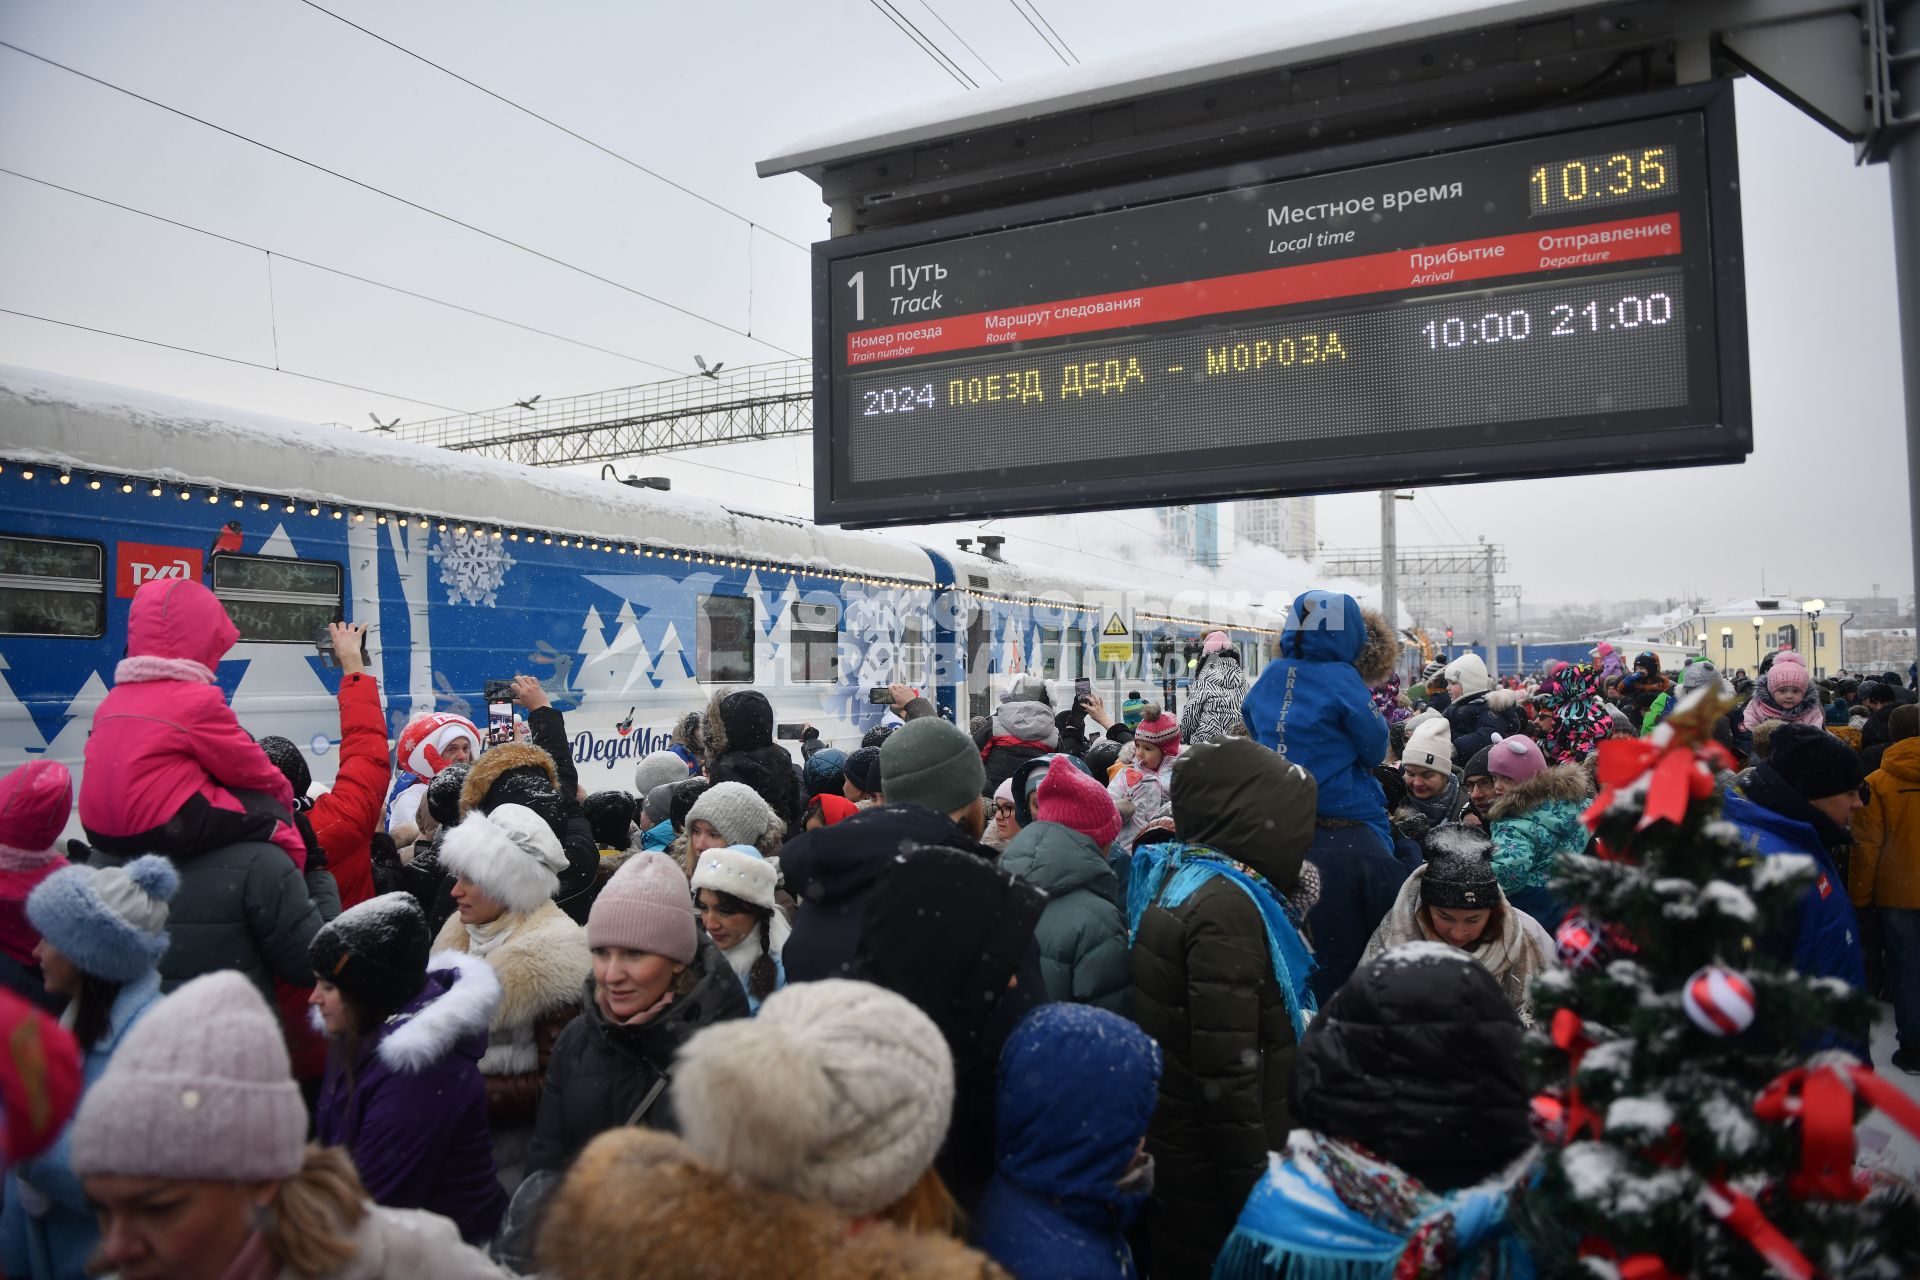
<point x="1380" y="651"/>
<point x="541" y="966"/>
<point x="457" y="1003"/>
<point x="751" y="727"/>
<point x="494" y="762"/>
<point x="1505" y="699"/>
<point x="692" y="1214"/>
<point x="1568" y="782"/>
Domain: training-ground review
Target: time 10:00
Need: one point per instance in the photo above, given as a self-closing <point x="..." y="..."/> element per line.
<point x="1517" y="326"/>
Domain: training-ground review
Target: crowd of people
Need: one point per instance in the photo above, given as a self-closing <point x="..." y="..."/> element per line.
<point x="1235" y="989"/>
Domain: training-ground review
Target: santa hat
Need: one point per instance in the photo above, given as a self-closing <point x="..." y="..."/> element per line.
<point x="510" y="854"/>
<point x="424" y="742"/>
<point x="1429" y="746"/>
<point x="1160" y="730"/>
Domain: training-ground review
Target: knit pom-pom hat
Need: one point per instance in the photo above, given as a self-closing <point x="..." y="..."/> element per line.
<point x="511" y="855"/>
<point x="199" y="1090"/>
<point x="1158" y="729"/>
<point x="739" y="870"/>
<point x="1515" y="759"/>
<point x="1789" y="671"/>
<point x="836" y="1090"/>
<point x="646" y="906"/>
<point x="1071" y="797"/>
<point x="111" y="922"/>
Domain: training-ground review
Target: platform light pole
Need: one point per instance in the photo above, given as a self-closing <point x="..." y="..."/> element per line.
<point x="1813" y="607"/>
<point x="1757" y="622"/>
<point x="1726" y="648"/>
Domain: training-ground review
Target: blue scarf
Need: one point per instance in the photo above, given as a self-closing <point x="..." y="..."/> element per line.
<point x="1297" y="1226"/>
<point x="1168" y="874"/>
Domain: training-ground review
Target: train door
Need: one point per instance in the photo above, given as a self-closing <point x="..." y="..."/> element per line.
<point x="979" y="701"/>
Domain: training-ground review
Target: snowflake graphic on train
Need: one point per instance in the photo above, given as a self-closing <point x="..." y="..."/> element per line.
<point x="473" y="567"/>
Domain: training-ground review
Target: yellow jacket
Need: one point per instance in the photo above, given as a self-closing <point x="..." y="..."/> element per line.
<point x="1885" y="867"/>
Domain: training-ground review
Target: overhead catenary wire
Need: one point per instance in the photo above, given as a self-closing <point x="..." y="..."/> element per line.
<point x="627" y="160"/>
<point x="1035" y="6"/>
<point x="214" y="355"/>
<point x="398" y="199"/>
<point x="926" y="46"/>
<point x="1038" y="32"/>
<point x="928" y="6"/>
<point x="336" y="271"/>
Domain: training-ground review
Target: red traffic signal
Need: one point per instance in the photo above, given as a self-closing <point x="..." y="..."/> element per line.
<point x="1449" y="633"/>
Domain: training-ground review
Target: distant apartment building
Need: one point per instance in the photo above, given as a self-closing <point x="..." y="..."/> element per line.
<point x="1285" y="524"/>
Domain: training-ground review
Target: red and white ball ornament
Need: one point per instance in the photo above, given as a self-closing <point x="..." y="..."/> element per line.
<point x="1582" y="945"/>
<point x="1718" y="1000"/>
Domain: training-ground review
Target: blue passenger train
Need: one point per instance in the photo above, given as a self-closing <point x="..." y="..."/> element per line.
<point x="632" y="606"/>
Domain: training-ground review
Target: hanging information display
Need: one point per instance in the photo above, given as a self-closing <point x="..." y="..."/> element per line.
<point x="1545" y="295"/>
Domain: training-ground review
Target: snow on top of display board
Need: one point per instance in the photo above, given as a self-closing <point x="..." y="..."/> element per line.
<point x="60" y="421"/>
<point x="1311" y="32"/>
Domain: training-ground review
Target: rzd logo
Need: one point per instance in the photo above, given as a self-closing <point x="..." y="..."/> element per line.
<point x="140" y="562"/>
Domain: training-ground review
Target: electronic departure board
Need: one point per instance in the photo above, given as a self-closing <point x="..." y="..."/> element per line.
<point x="1550" y="294"/>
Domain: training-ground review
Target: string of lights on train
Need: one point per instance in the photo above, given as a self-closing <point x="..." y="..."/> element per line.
<point x="358" y="515"/>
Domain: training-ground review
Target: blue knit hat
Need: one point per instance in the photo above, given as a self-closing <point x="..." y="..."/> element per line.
<point x="111" y="922"/>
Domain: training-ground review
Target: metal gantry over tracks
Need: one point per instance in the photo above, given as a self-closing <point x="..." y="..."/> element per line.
<point x="755" y="402"/>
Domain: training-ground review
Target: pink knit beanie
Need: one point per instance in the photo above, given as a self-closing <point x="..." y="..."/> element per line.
<point x="647" y="905"/>
<point x="1515" y="759"/>
<point x="1789" y="671"/>
<point x="1160" y="730"/>
<point x="1214" y="643"/>
<point x="1069" y="796"/>
<point x="35" y="801"/>
<point x="200" y="1089"/>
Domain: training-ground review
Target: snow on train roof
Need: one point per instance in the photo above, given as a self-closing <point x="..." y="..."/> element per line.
<point x="1308" y="34"/>
<point x="57" y="421"/>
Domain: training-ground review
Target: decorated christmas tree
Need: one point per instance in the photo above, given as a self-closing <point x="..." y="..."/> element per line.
<point x="1697" y="1095"/>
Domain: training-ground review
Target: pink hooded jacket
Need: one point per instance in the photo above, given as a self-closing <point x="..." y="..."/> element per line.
<point x="165" y="733"/>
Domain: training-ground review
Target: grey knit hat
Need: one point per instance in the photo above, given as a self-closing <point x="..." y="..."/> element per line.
<point x="659" y="804"/>
<point x="933" y="764"/>
<point x="735" y="810"/>
<point x="200" y="1089"/>
<point x="1459" y="871"/>
<point x="655" y="769"/>
<point x="853" y="1116"/>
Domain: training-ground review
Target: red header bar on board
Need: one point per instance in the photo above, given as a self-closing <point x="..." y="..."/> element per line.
<point x="1526" y="253"/>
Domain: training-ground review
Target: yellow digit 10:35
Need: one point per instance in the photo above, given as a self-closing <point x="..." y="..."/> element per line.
<point x="1620" y="174"/>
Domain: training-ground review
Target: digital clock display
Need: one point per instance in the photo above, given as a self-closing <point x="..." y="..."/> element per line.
<point x="1515" y="298"/>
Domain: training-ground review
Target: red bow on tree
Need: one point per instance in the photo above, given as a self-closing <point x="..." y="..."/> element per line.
<point x="1570" y="1036"/>
<point x="1821" y="1098"/>
<point x="1677" y="776"/>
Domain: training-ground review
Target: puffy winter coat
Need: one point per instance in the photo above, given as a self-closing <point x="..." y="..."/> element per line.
<point x="1021" y="731"/>
<point x="61" y="1226"/>
<point x="1474" y="719"/>
<point x="1212" y="709"/>
<point x="1535" y="823"/>
<point x="1419" y="1060"/>
<point x="413" y="1111"/>
<point x="1516" y="948"/>
<point x="164" y="733"/>
<point x="1057" y="1207"/>
<point x="1826" y="942"/>
<point x="242" y="907"/>
<point x="833" y="869"/>
<point x="1885" y="867"/>
<point x="1313" y="704"/>
<point x="602" y="1071"/>
<point x="641" y="1206"/>
<point x="1204" y="988"/>
<point x="541" y="966"/>
<point x="345" y="818"/>
<point x="1082" y="933"/>
<point x="740" y="748"/>
<point x="1358" y="883"/>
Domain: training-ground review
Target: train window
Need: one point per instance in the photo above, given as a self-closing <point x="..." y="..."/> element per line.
<point x="725" y="640"/>
<point x="52" y="588"/>
<point x="911" y="666"/>
<point x="815" y="637"/>
<point x="1050" y="653"/>
<point x="278" y="600"/>
<point x="1072" y="654"/>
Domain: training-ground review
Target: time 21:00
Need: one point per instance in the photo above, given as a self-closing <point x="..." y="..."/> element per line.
<point x="1563" y="320"/>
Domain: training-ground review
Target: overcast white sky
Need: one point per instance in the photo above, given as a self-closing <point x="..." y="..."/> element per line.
<point x="697" y="93"/>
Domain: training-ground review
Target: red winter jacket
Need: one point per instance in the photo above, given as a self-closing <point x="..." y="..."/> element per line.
<point x="345" y="818"/>
<point x="165" y="733"/>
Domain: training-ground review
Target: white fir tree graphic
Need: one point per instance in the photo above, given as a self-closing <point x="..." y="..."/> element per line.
<point x="626" y="659"/>
<point x="19" y="735"/>
<point x="69" y="744"/>
<point x="671" y="670"/>
<point x="593" y="643"/>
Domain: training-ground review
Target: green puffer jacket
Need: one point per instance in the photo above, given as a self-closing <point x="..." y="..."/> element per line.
<point x="1082" y="933"/>
<point x="1535" y="823"/>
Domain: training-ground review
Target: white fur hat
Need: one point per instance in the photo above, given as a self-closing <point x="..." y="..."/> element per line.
<point x="739" y="870"/>
<point x="1429" y="746"/>
<point x="511" y="855"/>
<point x="836" y="1090"/>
